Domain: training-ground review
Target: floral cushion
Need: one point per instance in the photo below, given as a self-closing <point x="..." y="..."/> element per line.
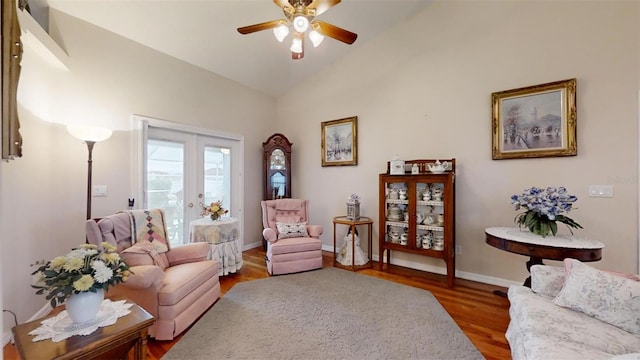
<point x="547" y="280"/>
<point x="609" y="298"/>
<point x="292" y="230"/>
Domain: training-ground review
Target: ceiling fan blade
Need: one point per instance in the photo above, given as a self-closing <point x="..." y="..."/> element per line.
<point x="322" y="5"/>
<point x="335" y="32"/>
<point x="259" y="27"/>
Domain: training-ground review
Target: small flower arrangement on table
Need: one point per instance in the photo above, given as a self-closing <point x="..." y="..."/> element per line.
<point x="544" y="208"/>
<point x="214" y="210"/>
<point x="84" y="269"/>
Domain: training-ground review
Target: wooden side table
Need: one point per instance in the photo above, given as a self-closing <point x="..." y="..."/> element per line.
<point x="109" y="342"/>
<point x="352" y="227"/>
<point x="538" y="248"/>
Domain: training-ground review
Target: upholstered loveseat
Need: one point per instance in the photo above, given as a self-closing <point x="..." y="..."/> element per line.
<point x="175" y="285"/>
<point x="575" y="312"/>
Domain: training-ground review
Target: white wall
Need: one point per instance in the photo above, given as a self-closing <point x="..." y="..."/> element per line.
<point x="110" y="78"/>
<point x="424" y="90"/>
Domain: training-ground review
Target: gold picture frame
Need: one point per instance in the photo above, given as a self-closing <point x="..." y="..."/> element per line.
<point x="339" y="142"/>
<point x="535" y="121"/>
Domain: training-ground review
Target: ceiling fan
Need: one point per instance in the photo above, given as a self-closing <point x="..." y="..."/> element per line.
<point x="301" y="15"/>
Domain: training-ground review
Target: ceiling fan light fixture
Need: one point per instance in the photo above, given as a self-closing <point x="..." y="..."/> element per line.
<point x="296" y="45"/>
<point x="281" y="32"/>
<point x="300" y="23"/>
<point x="316" y="38"/>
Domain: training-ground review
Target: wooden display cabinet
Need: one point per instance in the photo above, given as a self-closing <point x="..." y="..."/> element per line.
<point x="417" y="213"/>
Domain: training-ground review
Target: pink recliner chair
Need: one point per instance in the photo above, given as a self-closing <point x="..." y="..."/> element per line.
<point x="175" y="285"/>
<point x="292" y="244"/>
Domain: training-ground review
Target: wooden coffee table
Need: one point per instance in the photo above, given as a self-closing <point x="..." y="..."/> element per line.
<point x="538" y="248"/>
<point x="109" y="342"/>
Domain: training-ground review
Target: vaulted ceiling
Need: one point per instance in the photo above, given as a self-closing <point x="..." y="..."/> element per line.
<point x="204" y="34"/>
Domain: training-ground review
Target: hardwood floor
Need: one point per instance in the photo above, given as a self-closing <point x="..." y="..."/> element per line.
<point x="482" y="315"/>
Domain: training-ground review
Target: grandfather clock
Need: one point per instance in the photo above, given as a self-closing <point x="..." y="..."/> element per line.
<point x="277" y="167"/>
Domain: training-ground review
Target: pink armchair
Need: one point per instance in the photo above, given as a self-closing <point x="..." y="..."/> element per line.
<point x="292" y="244"/>
<point x="176" y="286"/>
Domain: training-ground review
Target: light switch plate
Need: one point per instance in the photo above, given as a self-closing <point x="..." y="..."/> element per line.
<point x="99" y="190"/>
<point x="605" y="191"/>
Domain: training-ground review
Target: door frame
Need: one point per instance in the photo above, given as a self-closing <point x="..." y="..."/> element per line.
<point x="140" y="125"/>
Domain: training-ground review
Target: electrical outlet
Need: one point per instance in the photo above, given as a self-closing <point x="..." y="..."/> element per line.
<point x="459" y="249"/>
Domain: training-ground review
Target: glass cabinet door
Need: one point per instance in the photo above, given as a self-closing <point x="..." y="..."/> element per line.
<point x="430" y="216"/>
<point x="397" y="213"/>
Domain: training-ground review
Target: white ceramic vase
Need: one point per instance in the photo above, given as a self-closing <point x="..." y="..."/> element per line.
<point x="83" y="307"/>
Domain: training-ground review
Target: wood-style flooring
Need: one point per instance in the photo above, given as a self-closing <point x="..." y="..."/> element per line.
<point x="482" y="315"/>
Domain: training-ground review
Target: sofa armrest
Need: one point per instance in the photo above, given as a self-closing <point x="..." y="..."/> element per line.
<point x="188" y="253"/>
<point x="270" y="235"/>
<point x="547" y="280"/>
<point x="315" y="230"/>
<point x="144" y="277"/>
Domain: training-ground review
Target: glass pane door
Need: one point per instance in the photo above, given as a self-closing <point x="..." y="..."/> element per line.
<point x="165" y="184"/>
<point x="185" y="172"/>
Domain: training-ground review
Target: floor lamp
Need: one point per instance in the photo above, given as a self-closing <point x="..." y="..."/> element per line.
<point x="90" y="135"/>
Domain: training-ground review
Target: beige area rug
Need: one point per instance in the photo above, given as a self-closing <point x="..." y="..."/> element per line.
<point x="325" y="314"/>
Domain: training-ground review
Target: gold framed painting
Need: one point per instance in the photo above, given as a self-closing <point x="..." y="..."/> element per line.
<point x="535" y="121"/>
<point x="339" y="142"/>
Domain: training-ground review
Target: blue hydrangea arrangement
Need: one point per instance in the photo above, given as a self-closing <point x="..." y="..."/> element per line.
<point x="544" y="208"/>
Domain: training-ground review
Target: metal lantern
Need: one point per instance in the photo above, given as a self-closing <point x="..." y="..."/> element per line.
<point x="353" y="210"/>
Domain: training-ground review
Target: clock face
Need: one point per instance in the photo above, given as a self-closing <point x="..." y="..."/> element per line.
<point x="277" y="160"/>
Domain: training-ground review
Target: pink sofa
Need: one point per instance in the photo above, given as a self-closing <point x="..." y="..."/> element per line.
<point x="292" y="244"/>
<point x="176" y="286"/>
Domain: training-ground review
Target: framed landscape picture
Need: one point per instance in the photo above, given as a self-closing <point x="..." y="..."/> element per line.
<point x="535" y="121"/>
<point x="339" y="142"/>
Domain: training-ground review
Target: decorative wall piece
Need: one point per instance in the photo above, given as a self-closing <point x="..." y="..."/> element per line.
<point x="339" y="142"/>
<point x="11" y="58"/>
<point x="535" y="121"/>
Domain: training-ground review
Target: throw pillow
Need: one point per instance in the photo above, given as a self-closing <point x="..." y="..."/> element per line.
<point x="292" y="230"/>
<point x="547" y="280"/>
<point x="606" y="297"/>
<point x="568" y="263"/>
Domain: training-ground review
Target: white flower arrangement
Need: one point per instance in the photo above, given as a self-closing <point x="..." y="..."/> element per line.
<point x="85" y="268"/>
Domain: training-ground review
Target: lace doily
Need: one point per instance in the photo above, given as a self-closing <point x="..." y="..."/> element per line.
<point x="61" y="327"/>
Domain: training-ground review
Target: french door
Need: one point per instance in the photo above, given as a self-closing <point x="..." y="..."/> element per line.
<point x="185" y="170"/>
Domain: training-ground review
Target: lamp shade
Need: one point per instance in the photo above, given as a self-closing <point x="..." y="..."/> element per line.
<point x="281" y="32"/>
<point x="296" y="45"/>
<point x="316" y="38"/>
<point x="89" y="133"/>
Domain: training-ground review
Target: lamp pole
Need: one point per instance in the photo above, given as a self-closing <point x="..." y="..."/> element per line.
<point x="90" y="135"/>
<point x="89" y="171"/>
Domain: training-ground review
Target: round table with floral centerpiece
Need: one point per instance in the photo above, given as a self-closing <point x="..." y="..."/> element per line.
<point x="536" y="235"/>
<point x="222" y="236"/>
<point x="552" y="247"/>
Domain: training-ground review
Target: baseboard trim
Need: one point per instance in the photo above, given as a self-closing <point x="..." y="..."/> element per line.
<point x="251" y="246"/>
<point x="442" y="271"/>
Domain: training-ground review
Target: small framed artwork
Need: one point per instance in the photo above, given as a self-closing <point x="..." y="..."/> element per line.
<point x="535" y="121"/>
<point x="339" y="142"/>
